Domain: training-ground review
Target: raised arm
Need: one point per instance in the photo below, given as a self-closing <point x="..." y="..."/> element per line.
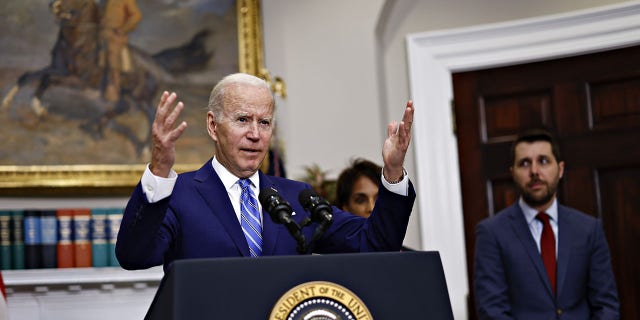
<point x="141" y="241"/>
<point x="165" y="133"/>
<point x="396" y="145"/>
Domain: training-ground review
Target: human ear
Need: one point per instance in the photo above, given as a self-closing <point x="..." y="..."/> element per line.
<point x="212" y="126"/>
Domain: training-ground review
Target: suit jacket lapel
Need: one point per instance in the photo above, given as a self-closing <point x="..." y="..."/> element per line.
<point x="215" y="195"/>
<point x="270" y="230"/>
<point x="565" y="233"/>
<point x="522" y="232"/>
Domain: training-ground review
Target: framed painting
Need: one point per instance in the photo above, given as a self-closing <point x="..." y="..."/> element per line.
<point x="79" y="96"/>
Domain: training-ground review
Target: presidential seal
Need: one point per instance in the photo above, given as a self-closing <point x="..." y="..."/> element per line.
<point x="319" y="300"/>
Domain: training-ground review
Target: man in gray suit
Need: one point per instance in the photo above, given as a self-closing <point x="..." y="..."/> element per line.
<point x="520" y="270"/>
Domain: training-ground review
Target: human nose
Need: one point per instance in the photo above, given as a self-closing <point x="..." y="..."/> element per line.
<point x="254" y="130"/>
<point x="534" y="169"/>
<point x="370" y="204"/>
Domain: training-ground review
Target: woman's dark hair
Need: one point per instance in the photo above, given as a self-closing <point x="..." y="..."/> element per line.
<point x="359" y="167"/>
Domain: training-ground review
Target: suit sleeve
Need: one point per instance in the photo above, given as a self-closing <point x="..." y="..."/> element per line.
<point x="144" y="236"/>
<point x="384" y="230"/>
<point x="603" y="295"/>
<point x="489" y="277"/>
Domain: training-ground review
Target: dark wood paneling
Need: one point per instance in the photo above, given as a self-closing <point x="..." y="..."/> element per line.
<point x="505" y="115"/>
<point x="620" y="195"/>
<point x="615" y="104"/>
<point x="503" y="193"/>
<point x="578" y="189"/>
<point x="570" y="110"/>
<point x="617" y="147"/>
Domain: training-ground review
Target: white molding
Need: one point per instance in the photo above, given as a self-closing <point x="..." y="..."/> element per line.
<point x="433" y="56"/>
<point x="529" y="40"/>
<point x="78" y="276"/>
<point x="80" y="293"/>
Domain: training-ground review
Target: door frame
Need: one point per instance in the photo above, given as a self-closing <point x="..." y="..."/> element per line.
<point x="434" y="56"/>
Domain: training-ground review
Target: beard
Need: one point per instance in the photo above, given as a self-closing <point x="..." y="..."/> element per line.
<point x="537" y="200"/>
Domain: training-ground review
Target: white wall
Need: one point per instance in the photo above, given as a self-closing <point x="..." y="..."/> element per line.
<point x="287" y="44"/>
<point x="325" y="52"/>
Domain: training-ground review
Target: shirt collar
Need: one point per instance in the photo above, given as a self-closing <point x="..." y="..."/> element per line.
<point x="228" y="179"/>
<point x="530" y="213"/>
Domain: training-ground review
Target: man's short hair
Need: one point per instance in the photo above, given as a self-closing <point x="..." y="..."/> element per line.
<point x="216" y="98"/>
<point x="534" y="135"/>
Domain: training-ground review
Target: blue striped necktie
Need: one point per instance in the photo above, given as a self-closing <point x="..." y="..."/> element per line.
<point x="250" y="218"/>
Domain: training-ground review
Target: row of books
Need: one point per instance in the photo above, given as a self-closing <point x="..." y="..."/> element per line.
<point x="58" y="238"/>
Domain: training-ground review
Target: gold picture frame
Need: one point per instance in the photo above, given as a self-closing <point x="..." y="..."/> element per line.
<point x="118" y="180"/>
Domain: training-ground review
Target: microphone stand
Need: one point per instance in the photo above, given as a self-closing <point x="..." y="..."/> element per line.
<point x="280" y="212"/>
<point x="317" y="233"/>
<point x="296" y="231"/>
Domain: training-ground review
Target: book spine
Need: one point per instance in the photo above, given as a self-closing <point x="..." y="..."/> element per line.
<point x="32" y="240"/>
<point x="82" y="237"/>
<point x="49" y="234"/>
<point x="17" y="239"/>
<point x="5" y="240"/>
<point x="114" y="218"/>
<point x="99" y="248"/>
<point x="64" y="248"/>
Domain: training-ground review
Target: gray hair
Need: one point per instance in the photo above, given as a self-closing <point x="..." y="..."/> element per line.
<point x="216" y="98"/>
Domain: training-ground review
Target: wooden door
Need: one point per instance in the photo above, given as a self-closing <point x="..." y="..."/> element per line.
<point x="592" y="103"/>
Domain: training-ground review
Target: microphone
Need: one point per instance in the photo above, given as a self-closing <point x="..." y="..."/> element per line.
<point x="319" y="208"/>
<point x="280" y="212"/>
<point x="278" y="208"/>
<point x="320" y="211"/>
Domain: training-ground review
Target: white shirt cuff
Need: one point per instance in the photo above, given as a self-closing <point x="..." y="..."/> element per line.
<point x="157" y="188"/>
<point x="401" y="188"/>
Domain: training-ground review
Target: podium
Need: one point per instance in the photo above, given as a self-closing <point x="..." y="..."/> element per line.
<point x="381" y="286"/>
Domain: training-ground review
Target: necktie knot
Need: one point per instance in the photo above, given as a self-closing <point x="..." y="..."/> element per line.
<point x="543" y="217"/>
<point x="244" y="184"/>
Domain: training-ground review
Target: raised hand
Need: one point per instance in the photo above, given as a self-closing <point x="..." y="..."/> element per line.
<point x="396" y="145"/>
<point x="164" y="134"/>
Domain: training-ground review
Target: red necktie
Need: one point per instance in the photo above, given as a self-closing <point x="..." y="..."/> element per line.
<point x="548" y="248"/>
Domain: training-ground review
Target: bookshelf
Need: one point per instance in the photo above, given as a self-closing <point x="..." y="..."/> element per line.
<point x="77" y="293"/>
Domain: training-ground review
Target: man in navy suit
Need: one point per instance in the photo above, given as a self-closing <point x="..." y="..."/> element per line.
<point x="517" y="273"/>
<point x="199" y="214"/>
